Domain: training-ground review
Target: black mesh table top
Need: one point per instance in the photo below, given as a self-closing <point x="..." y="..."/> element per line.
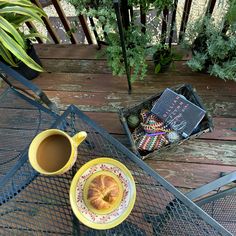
<point x="33" y="204"/>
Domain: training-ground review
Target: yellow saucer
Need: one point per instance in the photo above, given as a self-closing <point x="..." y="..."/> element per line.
<point x="81" y="209"/>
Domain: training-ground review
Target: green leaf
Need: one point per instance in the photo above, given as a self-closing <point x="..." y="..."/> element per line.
<point x="34" y="35"/>
<point x="6" y="55"/>
<point x="18" y="20"/>
<point x="25" y="4"/>
<point x="38" y="10"/>
<point x="18" y="51"/>
<point x="166" y="61"/>
<point x="157" y="68"/>
<point x="231" y="14"/>
<point x="23" y="11"/>
<point x="177" y="56"/>
<point x="16" y="2"/>
<point x="5" y="25"/>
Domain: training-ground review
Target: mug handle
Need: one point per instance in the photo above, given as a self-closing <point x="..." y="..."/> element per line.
<point x="79" y="137"/>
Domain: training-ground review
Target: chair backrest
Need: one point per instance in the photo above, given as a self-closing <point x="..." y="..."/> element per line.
<point x="218" y="199"/>
<point x="214" y="185"/>
<point x="6" y="71"/>
<point x="21" y="119"/>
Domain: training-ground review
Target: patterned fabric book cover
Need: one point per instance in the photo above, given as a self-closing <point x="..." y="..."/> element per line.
<point x="178" y="113"/>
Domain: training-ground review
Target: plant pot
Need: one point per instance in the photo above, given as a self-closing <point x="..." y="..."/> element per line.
<point x="26" y="71"/>
<point x="22" y="68"/>
<point x="162" y="59"/>
<point x="199" y="45"/>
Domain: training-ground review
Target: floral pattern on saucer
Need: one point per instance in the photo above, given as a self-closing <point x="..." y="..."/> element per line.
<point x="127" y="194"/>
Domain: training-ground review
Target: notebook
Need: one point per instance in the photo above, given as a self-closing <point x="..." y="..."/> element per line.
<point x="178" y="113"/>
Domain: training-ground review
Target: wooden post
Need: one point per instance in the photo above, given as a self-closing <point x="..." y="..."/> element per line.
<point x="95" y="32"/>
<point x="48" y="25"/>
<point x="210" y="7"/>
<point x="184" y="21"/>
<point x="31" y="26"/>
<point x="173" y="19"/>
<point x="85" y="29"/>
<point x="164" y="25"/>
<point x="143" y="18"/>
<point x="64" y="21"/>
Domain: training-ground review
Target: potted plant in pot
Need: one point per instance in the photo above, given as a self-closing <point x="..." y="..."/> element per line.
<point x="137" y="42"/>
<point x="107" y="29"/>
<point x="137" y="51"/>
<point x="163" y="57"/>
<point x="15" y="46"/>
<point x="214" y="51"/>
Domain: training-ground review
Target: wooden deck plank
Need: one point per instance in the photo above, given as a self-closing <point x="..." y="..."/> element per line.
<point x="152" y="84"/>
<point x="197" y="151"/>
<point x="87" y="82"/>
<point x="110" y="102"/>
<point x="223" y="129"/>
<point x="220" y="106"/>
<point x="79" y="58"/>
<point x="72" y="51"/>
<point x="202" y="151"/>
<point x="82" y="51"/>
<point x="188" y="174"/>
<point x="222" y="126"/>
<point x="100" y="66"/>
<point x="11" y="118"/>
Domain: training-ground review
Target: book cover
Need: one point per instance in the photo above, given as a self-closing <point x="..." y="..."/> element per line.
<point x="178" y="113"/>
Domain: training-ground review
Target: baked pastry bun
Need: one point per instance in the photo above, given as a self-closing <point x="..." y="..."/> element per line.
<point x="103" y="192"/>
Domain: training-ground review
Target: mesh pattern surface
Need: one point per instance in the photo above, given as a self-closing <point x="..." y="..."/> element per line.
<point x="21" y="120"/>
<point x="42" y="206"/>
<point x="223" y="210"/>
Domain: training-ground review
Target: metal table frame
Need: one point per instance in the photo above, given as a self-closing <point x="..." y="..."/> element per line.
<point x="174" y="206"/>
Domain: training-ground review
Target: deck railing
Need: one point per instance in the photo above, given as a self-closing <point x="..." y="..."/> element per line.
<point x="168" y="29"/>
<point x="65" y="22"/>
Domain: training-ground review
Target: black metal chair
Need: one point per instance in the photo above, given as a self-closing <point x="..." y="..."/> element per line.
<point x="33" y="204"/>
<point x="218" y="199"/>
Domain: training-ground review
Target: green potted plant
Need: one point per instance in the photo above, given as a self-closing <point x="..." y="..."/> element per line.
<point x="137" y="51"/>
<point x="163" y="57"/>
<point x="214" y="51"/>
<point x="107" y="29"/>
<point x="138" y="43"/>
<point x="15" y="45"/>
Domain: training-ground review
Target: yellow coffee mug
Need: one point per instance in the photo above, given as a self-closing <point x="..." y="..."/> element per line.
<point x="53" y="152"/>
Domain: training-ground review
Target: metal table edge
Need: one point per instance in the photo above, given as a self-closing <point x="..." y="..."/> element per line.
<point x="150" y="171"/>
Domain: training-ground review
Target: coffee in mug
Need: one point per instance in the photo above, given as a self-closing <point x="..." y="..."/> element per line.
<point x="54" y="152"/>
